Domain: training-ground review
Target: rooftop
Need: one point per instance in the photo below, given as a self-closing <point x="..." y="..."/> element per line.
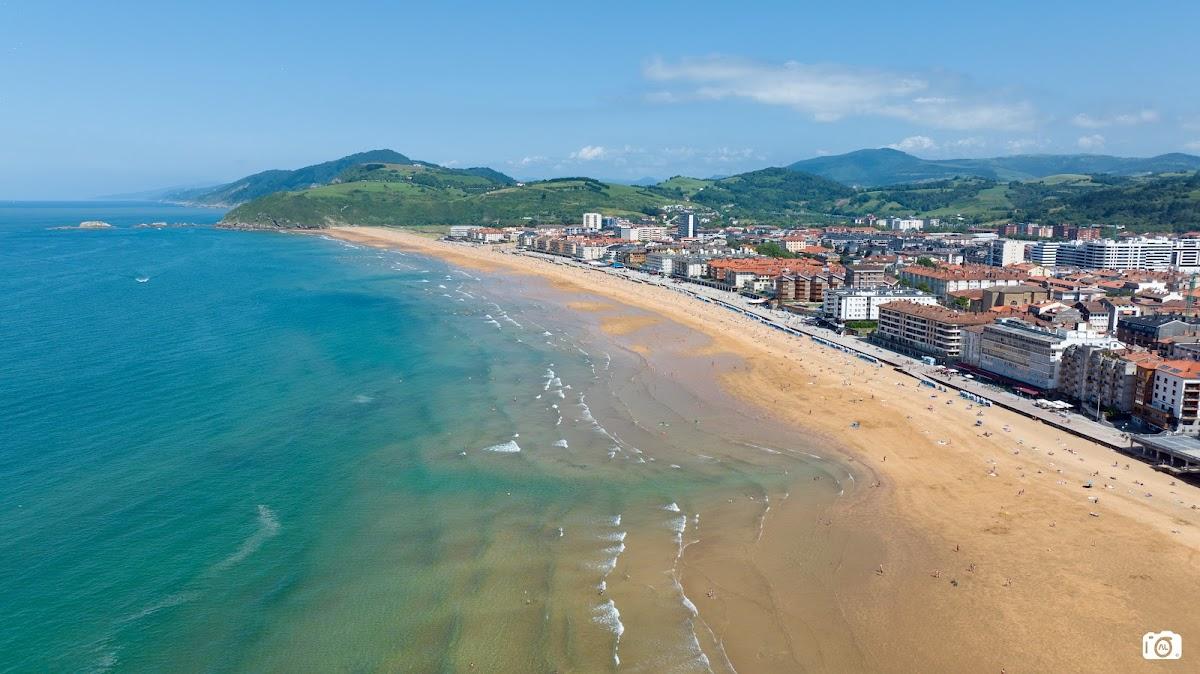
<point x="937" y="313"/>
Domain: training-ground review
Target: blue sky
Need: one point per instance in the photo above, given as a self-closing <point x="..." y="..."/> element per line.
<point x="105" y="97"/>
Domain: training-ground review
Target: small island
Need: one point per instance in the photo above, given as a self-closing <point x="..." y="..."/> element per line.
<point x="86" y="224"/>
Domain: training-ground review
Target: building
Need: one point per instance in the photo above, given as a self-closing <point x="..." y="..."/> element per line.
<point x="487" y="235"/>
<point x="1174" y="403"/>
<point x="690" y="267"/>
<point x="687" y="225"/>
<point x="1076" y="233"/>
<point x="660" y="263"/>
<point x="941" y="280"/>
<point x="1148" y="253"/>
<point x="462" y="231"/>
<point x="865" y="275"/>
<point x="862" y="304"/>
<point x="1029" y="354"/>
<point x="1151" y="331"/>
<point x="906" y="224"/>
<point x="1011" y="296"/>
<point x="1100" y="378"/>
<point x="593" y="221"/>
<point x="644" y="233"/>
<point x="926" y="330"/>
<point x="805" y="287"/>
<point x="1006" y="252"/>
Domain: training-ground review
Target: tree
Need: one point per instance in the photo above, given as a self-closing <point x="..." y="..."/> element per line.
<point x="772" y="249"/>
<point x="926" y="262"/>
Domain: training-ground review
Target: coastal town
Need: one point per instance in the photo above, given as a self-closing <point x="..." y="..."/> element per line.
<point x="1063" y="320"/>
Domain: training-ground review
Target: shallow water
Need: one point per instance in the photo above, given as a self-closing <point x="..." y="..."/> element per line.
<point x="286" y="453"/>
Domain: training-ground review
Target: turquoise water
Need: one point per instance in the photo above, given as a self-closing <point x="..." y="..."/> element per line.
<point x="283" y="453"/>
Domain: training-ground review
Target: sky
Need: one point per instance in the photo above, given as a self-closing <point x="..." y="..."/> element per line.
<point x="100" y="98"/>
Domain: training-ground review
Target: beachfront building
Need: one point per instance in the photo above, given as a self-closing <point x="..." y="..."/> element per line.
<point x="1102" y="378"/>
<point x="862" y="304"/>
<point x="462" y="231"/>
<point x="660" y="263"/>
<point x="487" y="235"/>
<point x="924" y="330"/>
<point x="1173" y="403"/>
<point x="944" y="279"/>
<point x="805" y="286"/>
<point x="1029" y="354"/>
<point x="693" y="267"/>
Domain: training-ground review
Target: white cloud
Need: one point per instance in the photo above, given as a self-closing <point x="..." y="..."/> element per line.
<point x="1193" y="146"/>
<point x="1092" y="142"/>
<point x="529" y="161"/>
<point x="1022" y="145"/>
<point x="929" y="145"/>
<point x="915" y="143"/>
<point x="831" y="92"/>
<point x="1086" y="121"/>
<point x="589" y="153"/>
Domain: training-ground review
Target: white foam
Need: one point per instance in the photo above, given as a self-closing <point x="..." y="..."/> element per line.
<point x="509" y="447"/>
<point x="561" y="443"/>
<point x="606" y="614"/>
<point x="616" y="536"/>
<point x="268" y="527"/>
<point x="672" y="507"/>
<point x="361" y="399"/>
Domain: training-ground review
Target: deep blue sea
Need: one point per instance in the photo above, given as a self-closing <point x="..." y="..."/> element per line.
<point x="233" y="451"/>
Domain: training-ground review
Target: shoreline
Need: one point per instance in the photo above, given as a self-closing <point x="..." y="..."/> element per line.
<point x="991" y="558"/>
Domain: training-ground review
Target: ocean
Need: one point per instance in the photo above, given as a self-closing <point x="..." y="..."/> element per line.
<point x="247" y="451"/>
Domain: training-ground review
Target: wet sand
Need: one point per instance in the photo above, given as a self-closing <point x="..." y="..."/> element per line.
<point x="956" y="552"/>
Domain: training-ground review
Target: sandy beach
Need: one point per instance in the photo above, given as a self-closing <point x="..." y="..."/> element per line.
<point x="960" y="553"/>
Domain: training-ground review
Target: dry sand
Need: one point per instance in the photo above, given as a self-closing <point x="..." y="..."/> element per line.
<point x="993" y="556"/>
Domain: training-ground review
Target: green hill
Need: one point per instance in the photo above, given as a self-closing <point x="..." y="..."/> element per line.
<point x="439" y="196"/>
<point x="269" y="182"/>
<point x="885" y="166"/>
<point x="386" y="188"/>
<point x="772" y="193"/>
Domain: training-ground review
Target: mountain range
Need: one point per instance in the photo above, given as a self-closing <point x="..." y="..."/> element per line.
<point x="383" y="187"/>
<point x="885" y="166"/>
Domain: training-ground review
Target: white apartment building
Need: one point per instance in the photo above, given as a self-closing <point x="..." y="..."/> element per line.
<point x="647" y="233"/>
<point x="660" y="263"/>
<point x="1177" y="391"/>
<point x="905" y="224"/>
<point x="862" y="304"/>
<point x="1152" y="253"/>
<point x="1005" y="252"/>
<point x="1032" y="355"/>
<point x="593" y="221"/>
<point x="462" y="231"/>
